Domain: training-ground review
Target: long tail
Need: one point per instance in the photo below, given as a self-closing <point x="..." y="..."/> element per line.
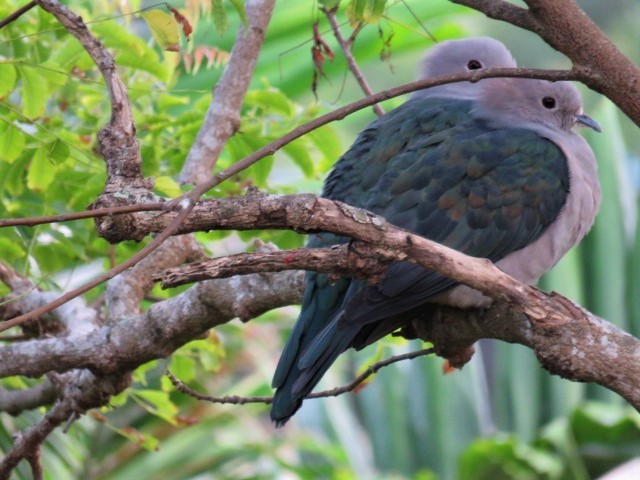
<point x="320" y="303"/>
<point x="312" y="363"/>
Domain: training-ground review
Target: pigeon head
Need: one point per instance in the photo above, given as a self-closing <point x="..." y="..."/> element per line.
<point x="531" y="103"/>
<point x="459" y="56"/>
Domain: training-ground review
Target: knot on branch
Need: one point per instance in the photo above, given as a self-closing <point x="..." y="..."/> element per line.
<point x="117" y="228"/>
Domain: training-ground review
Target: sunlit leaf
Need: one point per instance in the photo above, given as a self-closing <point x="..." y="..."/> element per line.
<point x="41" y="171"/>
<point x="58" y="151"/>
<point x="220" y="19"/>
<point x="8" y="75"/>
<point x="167" y="186"/>
<point x="158" y="403"/>
<point x="34" y="91"/>
<point x="164" y="27"/>
<point x="12" y="142"/>
<point x="239" y="7"/>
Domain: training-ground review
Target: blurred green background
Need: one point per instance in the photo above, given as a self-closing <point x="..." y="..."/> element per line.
<point x="501" y="417"/>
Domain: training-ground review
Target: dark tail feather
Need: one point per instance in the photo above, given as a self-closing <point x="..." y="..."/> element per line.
<point x="284" y="403"/>
<point x="301" y="381"/>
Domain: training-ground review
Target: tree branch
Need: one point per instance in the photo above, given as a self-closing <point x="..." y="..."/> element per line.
<point x="553" y="326"/>
<point x="17" y="14"/>
<point x="334" y="392"/>
<point x="223" y="117"/>
<point x="15" y="402"/>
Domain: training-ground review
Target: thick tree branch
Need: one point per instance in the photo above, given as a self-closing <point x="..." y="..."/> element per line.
<point x="338" y="261"/>
<point x="223" y="117"/>
<point x="158" y="332"/>
<point x="598" y="63"/>
<point x="14" y="402"/>
<point x="125" y="292"/>
<point x="551" y="325"/>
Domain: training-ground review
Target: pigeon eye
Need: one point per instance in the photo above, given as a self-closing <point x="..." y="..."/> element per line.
<point x="474" y="65"/>
<point x="549" y="102"/>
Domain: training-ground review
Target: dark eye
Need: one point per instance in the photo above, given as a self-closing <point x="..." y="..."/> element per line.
<point x="549" y="102"/>
<point x="474" y="65"/>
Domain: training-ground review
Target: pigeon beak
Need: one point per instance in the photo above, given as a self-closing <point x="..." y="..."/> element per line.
<point x="587" y="121"/>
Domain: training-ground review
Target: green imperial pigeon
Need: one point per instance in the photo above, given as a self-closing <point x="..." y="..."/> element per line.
<point x="493" y="183"/>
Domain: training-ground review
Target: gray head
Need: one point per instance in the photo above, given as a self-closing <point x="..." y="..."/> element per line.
<point x="458" y="56"/>
<point x="529" y="103"/>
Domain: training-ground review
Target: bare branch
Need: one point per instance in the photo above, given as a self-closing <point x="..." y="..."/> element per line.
<point x="550" y="325"/>
<point x="159" y="331"/>
<point x="68" y="217"/>
<point x="17" y="14"/>
<point x="339" y="261"/>
<point x="126" y="291"/>
<point x="15" y="402"/>
<point x="157" y="241"/>
<point x="334" y="392"/>
<point x="223" y="117"/>
<point x="345" y="45"/>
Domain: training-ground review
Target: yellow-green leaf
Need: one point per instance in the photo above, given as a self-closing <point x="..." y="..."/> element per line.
<point x="35" y="92"/>
<point x="167" y="186"/>
<point x="220" y="19"/>
<point x="41" y="171"/>
<point x="11" y="143"/>
<point x="239" y="7"/>
<point x="58" y="151"/>
<point x="8" y="76"/>
<point x="164" y="28"/>
<point x="158" y="403"/>
<point x="10" y="249"/>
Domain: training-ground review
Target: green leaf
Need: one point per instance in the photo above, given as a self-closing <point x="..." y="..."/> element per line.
<point x="270" y="99"/>
<point x="368" y="11"/>
<point x="8" y="76"/>
<point x="239" y="7"/>
<point x="167" y="186"/>
<point x="299" y="153"/>
<point x="220" y="19"/>
<point x="10" y="250"/>
<point x="132" y="51"/>
<point x="12" y="143"/>
<point x="329" y="4"/>
<point x="35" y="92"/>
<point x="58" y="151"/>
<point x="41" y="171"/>
<point x="158" y="403"/>
<point x="164" y="28"/>
<point x="183" y="367"/>
<point x="146" y="441"/>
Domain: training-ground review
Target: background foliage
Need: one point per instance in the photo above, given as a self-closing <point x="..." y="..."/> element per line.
<point x="500" y="417"/>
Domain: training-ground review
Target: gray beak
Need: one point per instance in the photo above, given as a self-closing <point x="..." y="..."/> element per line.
<point x="587" y="121"/>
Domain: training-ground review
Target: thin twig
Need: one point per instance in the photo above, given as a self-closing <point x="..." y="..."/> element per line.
<point x="17" y="14"/>
<point x="334" y="392"/>
<point x="345" y="45"/>
<point x="68" y="217"/>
